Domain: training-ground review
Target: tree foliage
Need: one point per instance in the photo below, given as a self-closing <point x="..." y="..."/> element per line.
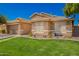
<point x="3" y="19"/>
<point x="71" y="9"/>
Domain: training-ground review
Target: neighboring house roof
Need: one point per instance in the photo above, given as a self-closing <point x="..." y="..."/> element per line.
<point x="18" y="20"/>
<point x="48" y="17"/>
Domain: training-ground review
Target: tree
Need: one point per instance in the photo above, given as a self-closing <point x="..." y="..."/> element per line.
<point x="3" y="19"/>
<point x="68" y="9"/>
<point x="71" y="9"/>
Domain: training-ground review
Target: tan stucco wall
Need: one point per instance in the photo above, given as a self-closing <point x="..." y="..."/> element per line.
<point x="64" y="28"/>
<point x="23" y="27"/>
<point x="26" y="27"/>
<point x="10" y="29"/>
<point x="42" y="33"/>
<point x="60" y="27"/>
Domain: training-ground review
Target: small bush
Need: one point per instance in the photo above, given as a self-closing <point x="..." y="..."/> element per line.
<point x="3" y="31"/>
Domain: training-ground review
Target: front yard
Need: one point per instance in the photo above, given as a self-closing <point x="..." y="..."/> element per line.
<point x="27" y="47"/>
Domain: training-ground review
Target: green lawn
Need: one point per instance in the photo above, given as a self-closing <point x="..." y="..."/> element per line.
<point x="27" y="47"/>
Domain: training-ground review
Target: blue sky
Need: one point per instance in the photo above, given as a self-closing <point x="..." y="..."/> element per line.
<point x="24" y="10"/>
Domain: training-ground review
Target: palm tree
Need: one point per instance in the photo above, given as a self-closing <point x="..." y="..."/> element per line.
<point x="69" y="9"/>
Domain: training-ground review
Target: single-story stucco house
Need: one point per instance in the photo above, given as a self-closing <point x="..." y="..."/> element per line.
<point x="43" y="25"/>
<point x="49" y="26"/>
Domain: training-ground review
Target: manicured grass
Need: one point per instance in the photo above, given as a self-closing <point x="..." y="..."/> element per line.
<point x="27" y="47"/>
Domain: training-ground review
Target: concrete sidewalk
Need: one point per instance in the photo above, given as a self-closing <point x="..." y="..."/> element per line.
<point x="7" y="39"/>
<point x="3" y="36"/>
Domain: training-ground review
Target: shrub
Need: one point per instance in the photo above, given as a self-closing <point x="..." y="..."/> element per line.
<point x="3" y="31"/>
